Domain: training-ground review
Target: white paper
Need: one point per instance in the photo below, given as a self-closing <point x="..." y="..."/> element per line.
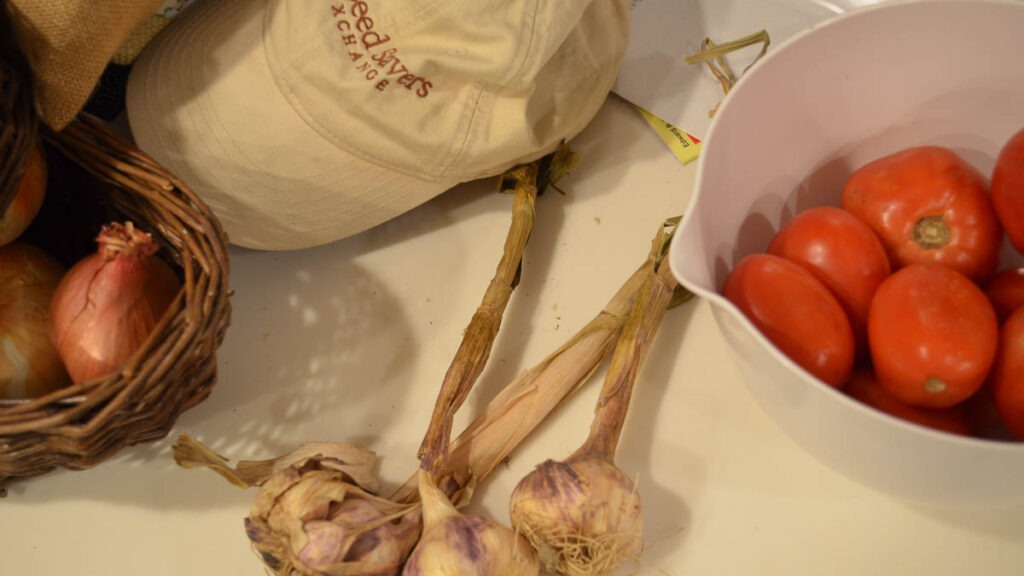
<point x="654" y="72"/>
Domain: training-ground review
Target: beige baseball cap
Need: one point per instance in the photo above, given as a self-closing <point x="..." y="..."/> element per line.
<point x="301" y="122"/>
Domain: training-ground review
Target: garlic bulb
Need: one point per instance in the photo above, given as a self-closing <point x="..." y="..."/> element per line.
<point x="316" y="522"/>
<point x="316" y="512"/>
<point x="583" y="516"/>
<point x="455" y="544"/>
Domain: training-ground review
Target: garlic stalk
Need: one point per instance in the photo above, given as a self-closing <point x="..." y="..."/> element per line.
<point x="318" y="510"/>
<point x="475" y="348"/>
<point x="534" y="394"/>
<point x="454" y="544"/>
<point x="583" y="514"/>
<point x="490" y="438"/>
<point x="318" y="518"/>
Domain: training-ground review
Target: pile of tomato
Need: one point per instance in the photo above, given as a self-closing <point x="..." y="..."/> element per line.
<point x="897" y="296"/>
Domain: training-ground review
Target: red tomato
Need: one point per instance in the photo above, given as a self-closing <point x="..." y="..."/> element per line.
<point x="796" y="312"/>
<point x="1008" y="374"/>
<point x="841" y="251"/>
<point x="928" y="206"/>
<point x="1008" y="189"/>
<point x="1006" y="291"/>
<point x="864" y="387"/>
<point x="983" y="416"/>
<point x="933" y="335"/>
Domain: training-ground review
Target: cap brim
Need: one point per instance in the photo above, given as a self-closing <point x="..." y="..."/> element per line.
<point x="202" y="101"/>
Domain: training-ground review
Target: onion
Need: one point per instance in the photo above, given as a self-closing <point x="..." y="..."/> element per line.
<point x="29" y="364"/>
<point x="108" y="303"/>
<point x="27" y="200"/>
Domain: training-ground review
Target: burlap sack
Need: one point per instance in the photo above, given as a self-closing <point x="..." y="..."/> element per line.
<point x="68" y="44"/>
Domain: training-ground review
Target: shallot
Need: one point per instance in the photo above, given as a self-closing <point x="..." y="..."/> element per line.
<point x="109" y="302"/>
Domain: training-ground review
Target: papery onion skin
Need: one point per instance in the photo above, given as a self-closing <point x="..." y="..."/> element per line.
<point x="28" y="198"/>
<point x="583" y="515"/>
<point x="108" y="303"/>
<point x="29" y="364"/>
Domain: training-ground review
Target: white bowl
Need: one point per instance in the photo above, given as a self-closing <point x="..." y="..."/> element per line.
<point x="865" y="84"/>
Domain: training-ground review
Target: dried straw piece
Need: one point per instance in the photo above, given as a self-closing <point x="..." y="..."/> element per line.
<point x="714" y="57"/>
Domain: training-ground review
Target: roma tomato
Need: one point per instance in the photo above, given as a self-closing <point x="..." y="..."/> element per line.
<point x="796" y="312"/>
<point x="841" y="251"/>
<point x="1007" y="379"/>
<point x="933" y="335"/>
<point x="982" y="415"/>
<point x="928" y="206"/>
<point x="1008" y="189"/>
<point x="1006" y="291"/>
<point x="863" y="386"/>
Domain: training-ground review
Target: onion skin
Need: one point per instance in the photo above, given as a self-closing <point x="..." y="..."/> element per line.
<point x="29" y="364"/>
<point x="108" y="303"/>
<point x="28" y="199"/>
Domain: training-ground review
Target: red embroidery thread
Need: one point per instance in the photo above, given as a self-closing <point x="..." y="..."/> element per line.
<point x="358" y="34"/>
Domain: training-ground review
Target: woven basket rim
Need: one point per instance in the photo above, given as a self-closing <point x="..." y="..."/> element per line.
<point x="78" y="427"/>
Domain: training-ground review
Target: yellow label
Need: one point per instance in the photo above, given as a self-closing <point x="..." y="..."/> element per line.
<point x="685" y="146"/>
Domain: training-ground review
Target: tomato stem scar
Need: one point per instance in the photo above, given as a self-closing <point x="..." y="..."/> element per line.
<point x="935" y="385"/>
<point x="931" y="232"/>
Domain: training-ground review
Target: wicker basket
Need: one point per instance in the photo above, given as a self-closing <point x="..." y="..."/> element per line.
<point x="97" y="177"/>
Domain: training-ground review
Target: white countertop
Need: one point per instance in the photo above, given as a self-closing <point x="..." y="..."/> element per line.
<point x="349" y="342"/>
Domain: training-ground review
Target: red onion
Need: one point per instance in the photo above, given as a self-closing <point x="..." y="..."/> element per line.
<point x="108" y="303"/>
